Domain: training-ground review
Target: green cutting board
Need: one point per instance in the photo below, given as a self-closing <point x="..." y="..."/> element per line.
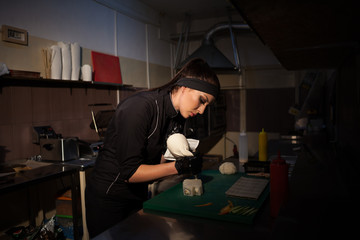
<point x="215" y="185"/>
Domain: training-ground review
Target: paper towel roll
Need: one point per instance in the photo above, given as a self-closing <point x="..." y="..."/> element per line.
<point x="56" y="66"/>
<point x="66" y="60"/>
<point x="86" y="72"/>
<point x="75" y="61"/>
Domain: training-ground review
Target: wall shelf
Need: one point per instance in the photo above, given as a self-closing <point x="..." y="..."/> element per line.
<point x="43" y="82"/>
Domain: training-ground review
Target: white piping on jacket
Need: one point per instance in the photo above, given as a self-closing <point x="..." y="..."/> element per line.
<point x="107" y="191"/>
<point x="157" y="122"/>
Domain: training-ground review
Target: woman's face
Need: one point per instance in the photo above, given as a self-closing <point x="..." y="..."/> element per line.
<point x="193" y="102"/>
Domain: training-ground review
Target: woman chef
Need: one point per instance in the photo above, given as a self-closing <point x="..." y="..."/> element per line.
<point x="136" y="139"/>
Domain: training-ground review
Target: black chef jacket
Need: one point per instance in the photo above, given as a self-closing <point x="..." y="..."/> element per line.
<point x="136" y="135"/>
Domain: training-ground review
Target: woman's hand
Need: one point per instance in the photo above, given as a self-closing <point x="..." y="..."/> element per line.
<point x="189" y="165"/>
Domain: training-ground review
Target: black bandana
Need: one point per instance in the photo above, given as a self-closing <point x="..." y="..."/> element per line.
<point x="199" y="85"/>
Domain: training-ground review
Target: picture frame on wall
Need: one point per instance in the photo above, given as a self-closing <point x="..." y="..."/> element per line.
<point x="14" y="35"/>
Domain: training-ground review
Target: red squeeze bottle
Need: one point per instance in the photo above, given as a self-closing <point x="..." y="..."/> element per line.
<point x="278" y="184"/>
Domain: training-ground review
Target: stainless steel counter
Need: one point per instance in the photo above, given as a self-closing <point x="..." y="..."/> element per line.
<point x="156" y="225"/>
<point x="162" y="226"/>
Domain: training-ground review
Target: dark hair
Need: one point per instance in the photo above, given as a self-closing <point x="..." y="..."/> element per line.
<point x="195" y="68"/>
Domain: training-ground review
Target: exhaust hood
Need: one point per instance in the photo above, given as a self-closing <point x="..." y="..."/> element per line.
<point x="211" y="54"/>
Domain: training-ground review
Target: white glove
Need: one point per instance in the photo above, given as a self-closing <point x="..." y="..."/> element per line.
<point x="178" y="145"/>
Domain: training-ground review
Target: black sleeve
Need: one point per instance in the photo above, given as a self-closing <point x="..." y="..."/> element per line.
<point x="132" y="124"/>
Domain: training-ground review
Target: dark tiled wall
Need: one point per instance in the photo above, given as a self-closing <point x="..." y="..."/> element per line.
<point x="268" y="109"/>
<point x="265" y="108"/>
<point x="65" y="109"/>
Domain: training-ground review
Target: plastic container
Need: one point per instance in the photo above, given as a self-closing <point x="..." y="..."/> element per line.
<point x="262" y="146"/>
<point x="278" y="184"/>
<point x="243" y="148"/>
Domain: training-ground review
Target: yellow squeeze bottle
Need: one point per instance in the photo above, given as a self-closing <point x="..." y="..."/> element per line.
<point x="262" y="146"/>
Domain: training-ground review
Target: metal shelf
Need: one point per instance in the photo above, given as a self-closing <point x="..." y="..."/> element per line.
<point x="41" y="82"/>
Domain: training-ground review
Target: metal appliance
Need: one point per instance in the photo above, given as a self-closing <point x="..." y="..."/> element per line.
<point x="59" y="149"/>
<point x="53" y="147"/>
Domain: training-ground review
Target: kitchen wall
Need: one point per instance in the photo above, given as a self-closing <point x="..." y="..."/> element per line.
<point x="140" y="38"/>
<point x="144" y="62"/>
<point x="66" y="109"/>
<point x="95" y="27"/>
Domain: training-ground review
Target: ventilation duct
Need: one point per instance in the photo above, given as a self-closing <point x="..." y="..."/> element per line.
<point x="211" y="54"/>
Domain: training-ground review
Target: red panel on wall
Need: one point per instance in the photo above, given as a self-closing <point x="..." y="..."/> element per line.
<point x="106" y="68"/>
